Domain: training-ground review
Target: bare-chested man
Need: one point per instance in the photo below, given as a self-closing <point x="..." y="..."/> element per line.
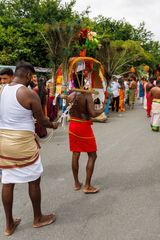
<point x="19" y="157"/>
<point x="81" y="136"/>
<point x="155" y="98"/>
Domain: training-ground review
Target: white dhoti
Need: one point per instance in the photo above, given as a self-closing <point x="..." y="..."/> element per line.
<point x="155" y="118"/>
<point x="22" y="175"/>
<point x="145" y="103"/>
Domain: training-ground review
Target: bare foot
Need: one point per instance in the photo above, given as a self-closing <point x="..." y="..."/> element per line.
<point x="10" y="231"/>
<point x="44" y="220"/>
<point x="77" y="186"/>
<point x="90" y="190"/>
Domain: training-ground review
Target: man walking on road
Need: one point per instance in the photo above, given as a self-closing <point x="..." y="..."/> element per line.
<point x="155" y="99"/>
<point x="81" y="136"/>
<point x="19" y="154"/>
<point x="115" y="89"/>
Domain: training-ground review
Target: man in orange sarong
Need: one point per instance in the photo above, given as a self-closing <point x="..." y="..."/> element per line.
<point x="81" y="136"/>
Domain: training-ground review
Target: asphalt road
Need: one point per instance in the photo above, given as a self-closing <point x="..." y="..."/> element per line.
<point x="127" y="171"/>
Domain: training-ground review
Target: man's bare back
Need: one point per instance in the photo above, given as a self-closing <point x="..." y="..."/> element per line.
<point x="83" y="106"/>
<point x="155" y="92"/>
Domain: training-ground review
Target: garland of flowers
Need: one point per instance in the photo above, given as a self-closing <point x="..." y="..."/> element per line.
<point x="89" y="42"/>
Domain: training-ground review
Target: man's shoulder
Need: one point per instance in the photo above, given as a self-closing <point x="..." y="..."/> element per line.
<point x="155" y="89"/>
<point x="26" y="91"/>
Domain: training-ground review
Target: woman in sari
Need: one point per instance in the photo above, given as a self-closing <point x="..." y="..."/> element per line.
<point x="132" y="91"/>
<point x="121" y="96"/>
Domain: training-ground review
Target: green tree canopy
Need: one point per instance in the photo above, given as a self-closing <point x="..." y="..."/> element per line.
<point x="23" y="34"/>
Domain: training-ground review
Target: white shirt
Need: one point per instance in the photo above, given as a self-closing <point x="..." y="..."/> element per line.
<point x="126" y="85"/>
<point x="115" y="88"/>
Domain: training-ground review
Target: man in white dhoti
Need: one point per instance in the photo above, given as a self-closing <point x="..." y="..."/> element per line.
<point x="19" y="153"/>
<point x="155" y="112"/>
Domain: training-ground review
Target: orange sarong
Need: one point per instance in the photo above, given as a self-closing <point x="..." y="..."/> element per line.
<point x="81" y="136"/>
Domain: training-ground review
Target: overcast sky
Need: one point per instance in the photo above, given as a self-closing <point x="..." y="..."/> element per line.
<point x="134" y="11"/>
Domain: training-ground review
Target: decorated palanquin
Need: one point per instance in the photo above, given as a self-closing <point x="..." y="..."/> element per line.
<point x="92" y="70"/>
<point x="92" y="73"/>
<point x="94" y="81"/>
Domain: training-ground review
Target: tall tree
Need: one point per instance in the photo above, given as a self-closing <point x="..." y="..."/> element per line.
<point x="118" y="56"/>
<point x="21" y="23"/>
<point x="61" y="39"/>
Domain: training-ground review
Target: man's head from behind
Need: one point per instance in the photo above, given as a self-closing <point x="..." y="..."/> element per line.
<point x="6" y="75"/>
<point x="24" y="72"/>
<point x="158" y="83"/>
<point x="133" y="78"/>
<point x="115" y="79"/>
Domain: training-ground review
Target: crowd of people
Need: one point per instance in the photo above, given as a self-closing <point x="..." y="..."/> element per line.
<point x="120" y="94"/>
<point x="123" y="92"/>
<point x="26" y="107"/>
